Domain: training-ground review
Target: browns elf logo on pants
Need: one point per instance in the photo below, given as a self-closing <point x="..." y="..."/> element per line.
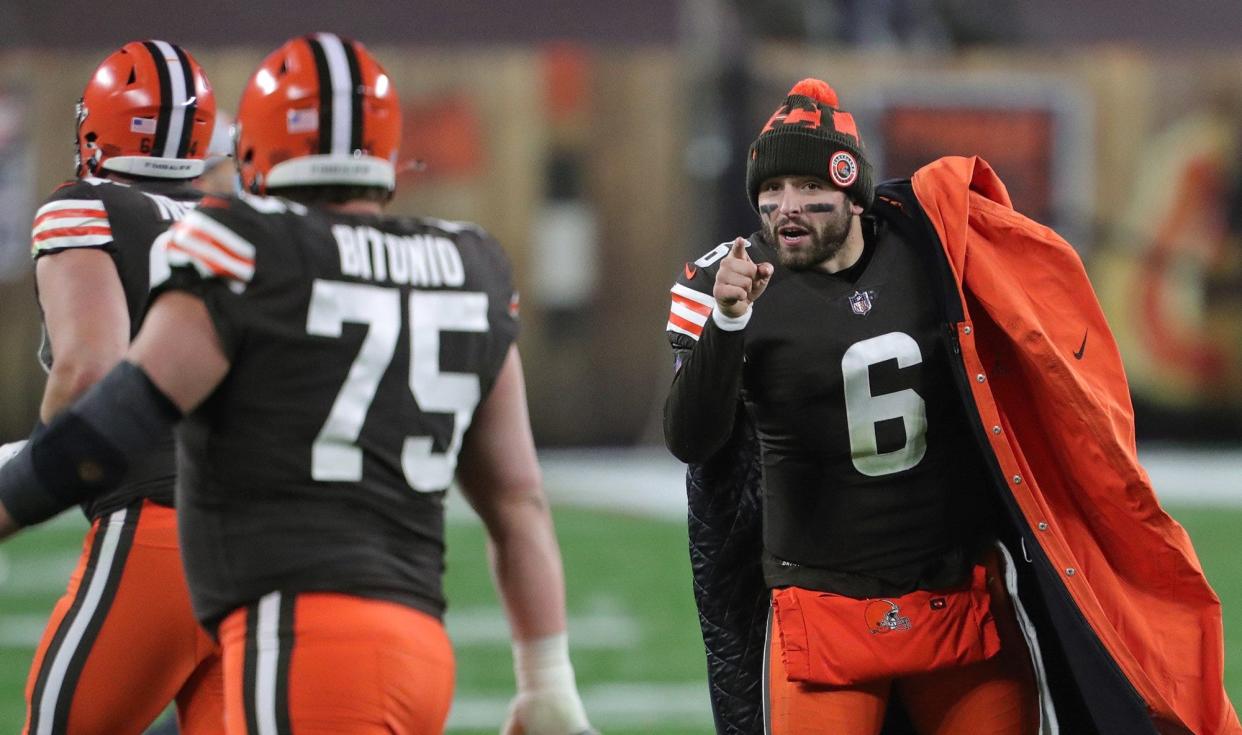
<point x="822" y="642"/>
<point x="884" y="616"/>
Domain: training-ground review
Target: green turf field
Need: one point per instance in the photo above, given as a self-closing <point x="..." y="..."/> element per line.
<point x="632" y="623"/>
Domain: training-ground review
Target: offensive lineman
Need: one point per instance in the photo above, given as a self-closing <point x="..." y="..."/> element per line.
<point x="122" y="642"/>
<point x="331" y="365"/>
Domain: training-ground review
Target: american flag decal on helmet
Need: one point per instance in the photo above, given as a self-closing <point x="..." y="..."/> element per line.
<point x="143" y="126"/>
<point x="301" y="121"/>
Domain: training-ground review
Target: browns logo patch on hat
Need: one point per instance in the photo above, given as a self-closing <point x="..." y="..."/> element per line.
<point x="809" y="135"/>
<point x="844" y="169"/>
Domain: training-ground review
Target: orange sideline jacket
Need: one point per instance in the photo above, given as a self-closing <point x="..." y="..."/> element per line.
<point x="1052" y="399"/>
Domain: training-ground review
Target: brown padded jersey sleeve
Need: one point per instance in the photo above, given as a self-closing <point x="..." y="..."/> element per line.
<point x="702" y="402"/>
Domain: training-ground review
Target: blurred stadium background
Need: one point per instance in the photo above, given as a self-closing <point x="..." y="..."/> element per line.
<point x="603" y="143"/>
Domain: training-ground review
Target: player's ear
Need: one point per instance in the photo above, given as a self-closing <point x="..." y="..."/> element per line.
<point x="856" y="209"/>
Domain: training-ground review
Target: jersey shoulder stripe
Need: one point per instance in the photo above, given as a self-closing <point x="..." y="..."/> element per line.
<point x="211" y="248"/>
<point x="70" y="223"/>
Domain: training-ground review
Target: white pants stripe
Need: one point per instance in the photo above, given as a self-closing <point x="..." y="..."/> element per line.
<point x="90" y="602"/>
<point x="268" y="655"/>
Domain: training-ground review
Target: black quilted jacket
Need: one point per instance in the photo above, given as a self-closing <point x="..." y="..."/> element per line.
<point x="725" y="543"/>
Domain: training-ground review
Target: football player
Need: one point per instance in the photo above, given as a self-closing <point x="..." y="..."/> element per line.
<point x="219" y="174"/>
<point x="122" y="641"/>
<point x="863" y="497"/>
<point x="863" y="368"/>
<point x="336" y="369"/>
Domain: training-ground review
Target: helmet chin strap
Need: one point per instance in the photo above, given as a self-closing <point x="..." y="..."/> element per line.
<point x="79" y="117"/>
<point x="92" y="163"/>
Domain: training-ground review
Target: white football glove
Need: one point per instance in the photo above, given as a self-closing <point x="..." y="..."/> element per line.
<point x="10" y="450"/>
<point x="547" y="702"/>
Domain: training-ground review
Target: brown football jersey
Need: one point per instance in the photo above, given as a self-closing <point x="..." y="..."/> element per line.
<point x="360" y="347"/>
<point x="871" y="483"/>
<point x="123" y="220"/>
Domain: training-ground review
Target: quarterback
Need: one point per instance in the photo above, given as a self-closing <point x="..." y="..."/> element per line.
<point x="915" y="502"/>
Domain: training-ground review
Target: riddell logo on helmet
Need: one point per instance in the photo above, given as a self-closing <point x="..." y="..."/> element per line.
<point x="168" y="165"/>
<point x="843" y="168"/>
<point x="340" y="167"/>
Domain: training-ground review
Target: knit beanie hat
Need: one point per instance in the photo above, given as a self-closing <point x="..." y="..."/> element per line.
<point x="809" y="136"/>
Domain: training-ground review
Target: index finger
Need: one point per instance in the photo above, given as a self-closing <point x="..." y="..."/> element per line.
<point x="739" y="249"/>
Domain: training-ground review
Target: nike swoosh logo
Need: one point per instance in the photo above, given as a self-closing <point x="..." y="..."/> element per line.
<point x="1082" y="348"/>
<point x="690" y="271"/>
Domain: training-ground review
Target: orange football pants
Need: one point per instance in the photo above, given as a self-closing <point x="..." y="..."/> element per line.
<point x="334" y="664"/>
<point x="993" y="697"/>
<point x="122" y="642"/>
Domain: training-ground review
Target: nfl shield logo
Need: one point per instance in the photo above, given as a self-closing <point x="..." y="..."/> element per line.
<point x="860" y="302"/>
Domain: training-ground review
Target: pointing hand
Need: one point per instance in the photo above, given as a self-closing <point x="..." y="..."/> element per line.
<point x="739" y="281"/>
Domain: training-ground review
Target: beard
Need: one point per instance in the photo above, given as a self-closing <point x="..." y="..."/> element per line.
<point x="825" y="240"/>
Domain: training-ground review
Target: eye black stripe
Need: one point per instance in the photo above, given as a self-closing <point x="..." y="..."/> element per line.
<point x="191" y="94"/>
<point x="162" y="121"/>
<point x="325" y="94"/>
<point x="355" y="94"/>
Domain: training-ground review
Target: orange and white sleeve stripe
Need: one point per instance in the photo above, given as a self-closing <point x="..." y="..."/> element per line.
<point x="213" y="249"/>
<point x="70" y="223"/>
<point x="689" y="311"/>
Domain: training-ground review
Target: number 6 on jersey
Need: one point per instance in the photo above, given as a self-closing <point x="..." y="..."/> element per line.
<point x="864" y="410"/>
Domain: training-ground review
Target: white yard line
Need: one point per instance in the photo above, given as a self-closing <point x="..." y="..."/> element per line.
<point x="632" y="706"/>
<point x="651" y="482"/>
<point x="590" y="630"/>
<point x="1195" y="477"/>
<point x="22" y="632"/>
<point x="32" y="575"/>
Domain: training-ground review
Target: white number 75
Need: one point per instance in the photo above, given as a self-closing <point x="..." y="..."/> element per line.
<point x="334" y="453"/>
